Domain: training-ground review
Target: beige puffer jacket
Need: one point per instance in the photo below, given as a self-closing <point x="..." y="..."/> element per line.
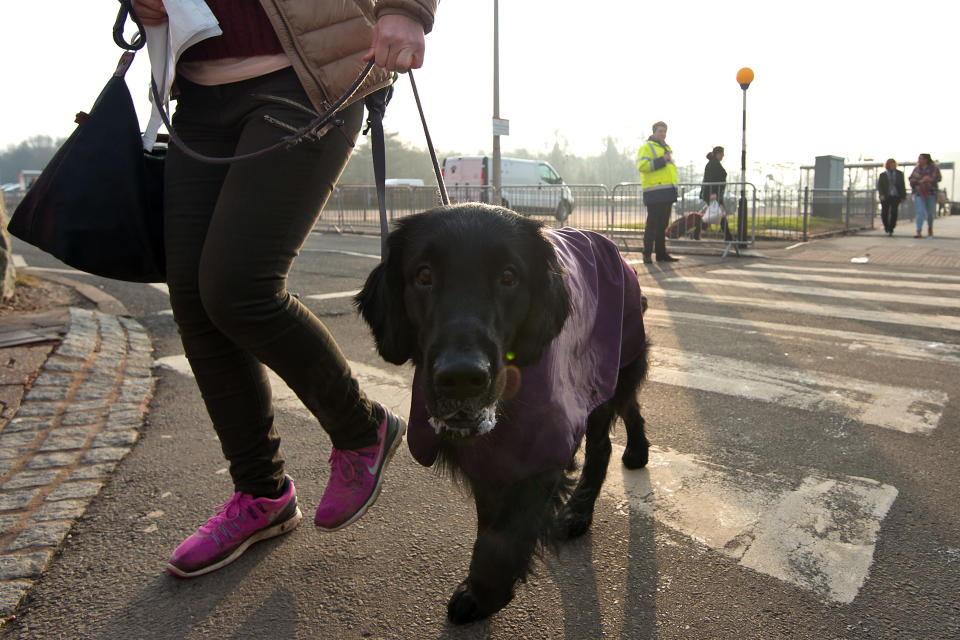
<point x="327" y="39"/>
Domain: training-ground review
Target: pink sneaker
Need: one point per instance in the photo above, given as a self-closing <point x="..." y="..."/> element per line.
<point x="356" y="476"/>
<point x="239" y="523"/>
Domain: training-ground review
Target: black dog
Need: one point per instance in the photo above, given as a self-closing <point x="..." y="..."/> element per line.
<point x="524" y="341"/>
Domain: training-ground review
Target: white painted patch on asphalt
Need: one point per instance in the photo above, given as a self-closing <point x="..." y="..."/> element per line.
<point x="819" y="534"/>
<point x="881" y="279"/>
<point x="332" y="296"/>
<point x="900" y="408"/>
<point x="161" y="287"/>
<point x="824" y="292"/>
<point x="949" y="323"/>
<point x="19" y="262"/>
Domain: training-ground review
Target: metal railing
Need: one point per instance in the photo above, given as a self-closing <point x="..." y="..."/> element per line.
<point x="619" y="213"/>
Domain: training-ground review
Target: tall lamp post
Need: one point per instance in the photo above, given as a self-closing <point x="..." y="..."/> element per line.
<point x="744" y="78"/>
<point x="496" y="101"/>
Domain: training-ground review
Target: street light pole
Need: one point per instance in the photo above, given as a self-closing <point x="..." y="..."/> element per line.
<point x="744" y="78"/>
<point x="495" y="178"/>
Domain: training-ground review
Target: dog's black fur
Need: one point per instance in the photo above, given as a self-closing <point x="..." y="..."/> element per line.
<point x="460" y="288"/>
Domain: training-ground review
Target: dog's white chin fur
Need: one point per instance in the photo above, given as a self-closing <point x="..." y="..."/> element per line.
<point x="487" y="420"/>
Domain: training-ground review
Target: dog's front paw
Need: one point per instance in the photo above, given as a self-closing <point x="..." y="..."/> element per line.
<point x="636" y="457"/>
<point x="573" y="525"/>
<point x="464" y="606"/>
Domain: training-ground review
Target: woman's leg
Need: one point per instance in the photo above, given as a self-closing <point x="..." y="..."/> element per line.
<point x="920" y="205"/>
<point x="931" y="206"/>
<point x="232" y="234"/>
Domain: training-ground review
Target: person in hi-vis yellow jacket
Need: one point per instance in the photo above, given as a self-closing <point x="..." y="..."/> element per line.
<point x="659" y="179"/>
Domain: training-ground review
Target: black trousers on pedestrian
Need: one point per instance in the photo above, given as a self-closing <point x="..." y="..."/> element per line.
<point x="232" y="233"/>
<point x="654" y="234"/>
<point x="888" y="212"/>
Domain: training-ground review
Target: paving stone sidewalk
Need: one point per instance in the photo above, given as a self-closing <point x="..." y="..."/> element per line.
<point x="80" y="417"/>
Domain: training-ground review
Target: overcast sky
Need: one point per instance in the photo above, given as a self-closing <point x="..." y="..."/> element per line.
<point x="842" y="77"/>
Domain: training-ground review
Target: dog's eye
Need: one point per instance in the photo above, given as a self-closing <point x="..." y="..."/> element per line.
<point x="508" y="278"/>
<point x="424" y="277"/>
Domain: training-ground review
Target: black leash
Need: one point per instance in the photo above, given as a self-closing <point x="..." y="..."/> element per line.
<point x="376" y="104"/>
<point x="299" y="135"/>
<point x="433" y="155"/>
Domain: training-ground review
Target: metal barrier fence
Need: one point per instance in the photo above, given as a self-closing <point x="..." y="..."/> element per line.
<point x="619" y="213"/>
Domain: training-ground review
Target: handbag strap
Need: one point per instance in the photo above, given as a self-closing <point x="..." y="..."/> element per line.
<point x="136" y="43"/>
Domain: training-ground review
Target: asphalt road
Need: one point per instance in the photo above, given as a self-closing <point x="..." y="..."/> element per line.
<point x="804" y="414"/>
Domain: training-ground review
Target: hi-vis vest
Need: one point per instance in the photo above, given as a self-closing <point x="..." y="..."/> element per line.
<point x="652" y="178"/>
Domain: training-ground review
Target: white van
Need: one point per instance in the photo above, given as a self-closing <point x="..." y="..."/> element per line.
<point x="403" y="182"/>
<point x="526" y="186"/>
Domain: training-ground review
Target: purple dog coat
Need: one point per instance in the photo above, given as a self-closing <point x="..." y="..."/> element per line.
<point x="541" y="426"/>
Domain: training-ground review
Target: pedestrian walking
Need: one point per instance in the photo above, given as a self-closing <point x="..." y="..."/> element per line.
<point x="714" y="186"/>
<point x="233" y="231"/>
<point x="924" y="182"/>
<point x="892" y="190"/>
<point x="658" y="173"/>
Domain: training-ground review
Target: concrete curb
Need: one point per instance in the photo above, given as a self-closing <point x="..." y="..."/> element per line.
<point x="81" y="416"/>
<point x="105" y="302"/>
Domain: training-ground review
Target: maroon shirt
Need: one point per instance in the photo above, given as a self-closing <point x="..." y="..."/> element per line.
<point x="542" y="425"/>
<point x="246" y="32"/>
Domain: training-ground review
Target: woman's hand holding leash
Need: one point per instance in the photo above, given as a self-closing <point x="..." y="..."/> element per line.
<point x="397" y="44"/>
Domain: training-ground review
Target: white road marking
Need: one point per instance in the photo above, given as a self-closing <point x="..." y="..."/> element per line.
<point x="899" y="408"/>
<point x="161" y="287"/>
<point x="356" y="254"/>
<point x="846" y="271"/>
<point x="881" y="279"/>
<point x="846" y="294"/>
<point x="19" y="262"/>
<point x="819" y="534"/>
<point x="331" y="296"/>
<point x="949" y="323"/>
<point x="853" y="341"/>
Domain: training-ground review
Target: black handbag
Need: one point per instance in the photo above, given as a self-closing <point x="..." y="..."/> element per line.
<point x="98" y="204"/>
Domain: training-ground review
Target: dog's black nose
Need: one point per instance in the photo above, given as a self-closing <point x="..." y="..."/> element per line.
<point x="461" y="377"/>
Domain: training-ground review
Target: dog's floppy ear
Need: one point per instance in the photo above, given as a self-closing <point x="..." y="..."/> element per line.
<point x="380" y="302"/>
<point x="549" y="303"/>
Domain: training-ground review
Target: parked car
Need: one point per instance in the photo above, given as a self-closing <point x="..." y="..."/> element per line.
<point x="689" y="201"/>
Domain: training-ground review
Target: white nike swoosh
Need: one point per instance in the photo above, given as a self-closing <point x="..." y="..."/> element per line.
<point x="372" y="470"/>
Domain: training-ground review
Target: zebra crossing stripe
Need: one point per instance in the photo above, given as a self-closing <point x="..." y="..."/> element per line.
<point x="867" y="272"/>
<point x="792" y="531"/>
<point x="332" y="296"/>
<point x="853" y="341"/>
<point x="879" y="279"/>
<point x="949" y="323"/>
<point x="899" y="408"/>
<point x="818" y="534"/>
<point x="846" y="294"/>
